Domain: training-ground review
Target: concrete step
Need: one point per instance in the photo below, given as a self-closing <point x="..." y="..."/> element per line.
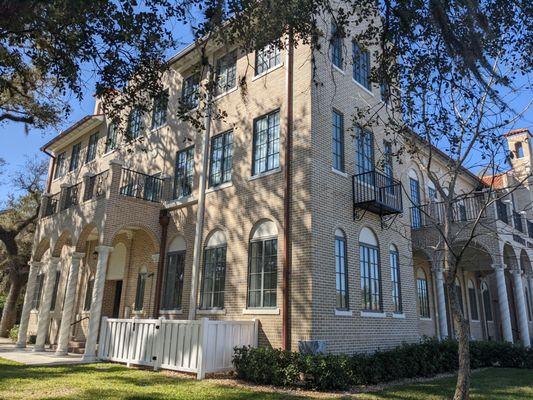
<point x="76" y="344"/>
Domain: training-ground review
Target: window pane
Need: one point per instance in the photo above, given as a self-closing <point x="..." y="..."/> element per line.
<point x="266" y="143"/>
<point x="340" y="273"/>
<point x="92" y="147"/>
<point x="135" y="124"/>
<point x="75" y="157"/>
<point x="184" y="173"/>
<point x="111" y="139"/>
<point x="395" y="278"/>
<point x="173" y="285"/>
<point x="221" y="159"/>
<point x="370" y="278"/>
<point x="214" y="278"/>
<point x="361" y="65"/>
<point x="473" y="303"/>
<point x="226" y="72"/>
<point x="262" y="273"/>
<point x="159" y="113"/>
<point x="364" y="154"/>
<point x="423" y="298"/>
<point x="139" y="294"/>
<point x="336" y="46"/>
<point x="190" y="92"/>
<point x="338" y="141"/>
<point x="266" y="58"/>
<point x="60" y="165"/>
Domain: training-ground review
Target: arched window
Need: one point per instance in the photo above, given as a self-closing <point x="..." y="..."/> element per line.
<point x="341" y="281"/>
<point x="214" y="274"/>
<point x="173" y="283"/>
<point x="485" y="294"/>
<point x="370" y="271"/>
<point x="414" y="191"/>
<point x="472" y="298"/>
<point x="394" y="259"/>
<point x="423" y="294"/>
<point x="263" y="266"/>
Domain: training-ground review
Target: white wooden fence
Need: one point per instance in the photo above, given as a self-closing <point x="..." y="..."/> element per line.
<point x="200" y="346"/>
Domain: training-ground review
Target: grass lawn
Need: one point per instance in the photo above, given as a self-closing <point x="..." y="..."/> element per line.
<point x="112" y="381"/>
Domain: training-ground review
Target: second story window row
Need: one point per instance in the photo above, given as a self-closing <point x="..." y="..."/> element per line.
<point x="267" y="58"/>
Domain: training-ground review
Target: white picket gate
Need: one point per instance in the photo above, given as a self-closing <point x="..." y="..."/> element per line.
<point x="200" y="346"/>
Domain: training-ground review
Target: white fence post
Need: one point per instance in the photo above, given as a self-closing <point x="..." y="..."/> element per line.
<point x="159" y="342"/>
<point x="202" y="349"/>
<point x="103" y="334"/>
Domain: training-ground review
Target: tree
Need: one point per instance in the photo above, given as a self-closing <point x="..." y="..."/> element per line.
<point x="17" y="228"/>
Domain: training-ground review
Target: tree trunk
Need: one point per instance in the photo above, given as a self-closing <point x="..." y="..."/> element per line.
<point x="9" y="313"/>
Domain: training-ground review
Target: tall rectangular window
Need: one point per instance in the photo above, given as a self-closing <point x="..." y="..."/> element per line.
<point x="88" y="295"/>
<point x="384" y="91"/>
<point x="361" y="65"/>
<point x="395" y="280"/>
<point x="221" y="159"/>
<point x="159" y="111"/>
<point x="139" y="293"/>
<point x="364" y="148"/>
<point x="111" y="139"/>
<point x="338" y="141"/>
<point x="54" y="293"/>
<point x="423" y="297"/>
<point x="416" y="216"/>
<point x="267" y="58"/>
<point x="485" y="294"/>
<point x="472" y="298"/>
<point x="92" y="147"/>
<point x="184" y="173"/>
<point x="263" y="273"/>
<point x="341" y="280"/>
<point x="266" y="143"/>
<point x="173" y="288"/>
<point x="214" y="278"/>
<point x="135" y="127"/>
<point x="226" y="76"/>
<point x="370" y="278"/>
<point x="60" y="165"/>
<point x="75" y="157"/>
<point x="37" y="292"/>
<point x="336" y="42"/>
<point x="190" y="92"/>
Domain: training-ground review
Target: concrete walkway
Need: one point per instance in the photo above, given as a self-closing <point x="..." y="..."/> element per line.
<point x="28" y="357"/>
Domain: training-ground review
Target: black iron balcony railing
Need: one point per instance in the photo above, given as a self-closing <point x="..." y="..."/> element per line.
<point x="96" y="186"/>
<point x="517" y="221"/>
<point x="52" y="205"/>
<point x="72" y="196"/>
<point x="141" y="186"/>
<point x="377" y="193"/>
<point x="465" y="209"/>
<point x="501" y="209"/>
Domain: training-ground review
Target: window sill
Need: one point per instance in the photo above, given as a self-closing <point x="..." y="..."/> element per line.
<point x="343" y="313"/>
<point x="221" y="95"/>
<point x="171" y="312"/>
<point x="368" y="91"/>
<point x="262" y="174"/>
<point x="478" y="321"/>
<point x="338" y="172"/>
<point x="373" y="314"/>
<point x="152" y="130"/>
<point x="338" y="69"/>
<point x="34" y="311"/>
<point x="261" y="311"/>
<point x="398" y="315"/>
<point x="185" y="201"/>
<point x="211" y="312"/>
<point x="220" y="187"/>
<point x="268" y="71"/>
<point x="424" y="319"/>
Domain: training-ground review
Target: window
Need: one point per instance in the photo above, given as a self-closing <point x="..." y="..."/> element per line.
<point x="190" y="92"/>
<point x="338" y="141"/>
<point x="75" y="157"/>
<point x="226" y="73"/>
<point x="111" y="139"/>
<point x="173" y="281"/>
<point x="341" y="280"/>
<point x="267" y="58"/>
<point x="88" y="295"/>
<point x="361" y="65"/>
<point x="414" y="188"/>
<point x="528" y="305"/>
<point x="183" y="177"/>
<point x="135" y="127"/>
<point x="384" y="91"/>
<point x="221" y="159"/>
<point x="336" y="46"/>
<point x="159" y="112"/>
<point x="139" y="293"/>
<point x="214" y="274"/>
<point x="54" y="293"/>
<point x="37" y="292"/>
<point x="460" y="295"/>
<point x="370" y="271"/>
<point x="92" y="147"/>
<point x="485" y="294"/>
<point x="423" y="294"/>
<point x="387" y="166"/>
<point x="60" y="165"/>
<point x="432" y="194"/>
<point x="394" y="260"/>
<point x="519" y="150"/>
<point x="266" y="143"/>
<point x="364" y="163"/>
<point x="263" y="267"/>
<point x="473" y="301"/>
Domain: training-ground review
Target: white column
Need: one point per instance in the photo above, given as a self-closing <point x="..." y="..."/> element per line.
<point x="35" y="266"/>
<point x="96" y="302"/>
<point x="521" y="307"/>
<point x="441" y="302"/>
<point x="44" y="307"/>
<point x="503" y="302"/>
<point x="68" y="306"/>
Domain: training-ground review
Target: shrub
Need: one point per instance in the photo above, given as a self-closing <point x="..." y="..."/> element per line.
<point x="322" y="372"/>
<point x="14" y="333"/>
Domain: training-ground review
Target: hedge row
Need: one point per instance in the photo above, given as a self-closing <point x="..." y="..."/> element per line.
<point x="269" y="366"/>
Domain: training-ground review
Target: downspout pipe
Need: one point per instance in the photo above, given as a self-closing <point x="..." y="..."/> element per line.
<point x="287" y="258"/>
<point x="197" y="251"/>
<point x="164" y="220"/>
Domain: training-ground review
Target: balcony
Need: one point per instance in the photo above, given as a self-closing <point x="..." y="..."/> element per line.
<point x="375" y="192"/>
<point x="465" y="209"/>
<point x="96" y="186"/>
<point x="52" y="205"/>
<point x="141" y="186"/>
<point x="72" y="196"/>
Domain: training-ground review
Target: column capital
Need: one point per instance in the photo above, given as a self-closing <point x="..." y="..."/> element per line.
<point x="35" y="264"/>
<point x="104" y="249"/>
<point x="77" y="255"/>
<point x="116" y="162"/>
<point x="54" y="260"/>
<point x="515" y="271"/>
<point x="498" y="267"/>
<point x="437" y="269"/>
